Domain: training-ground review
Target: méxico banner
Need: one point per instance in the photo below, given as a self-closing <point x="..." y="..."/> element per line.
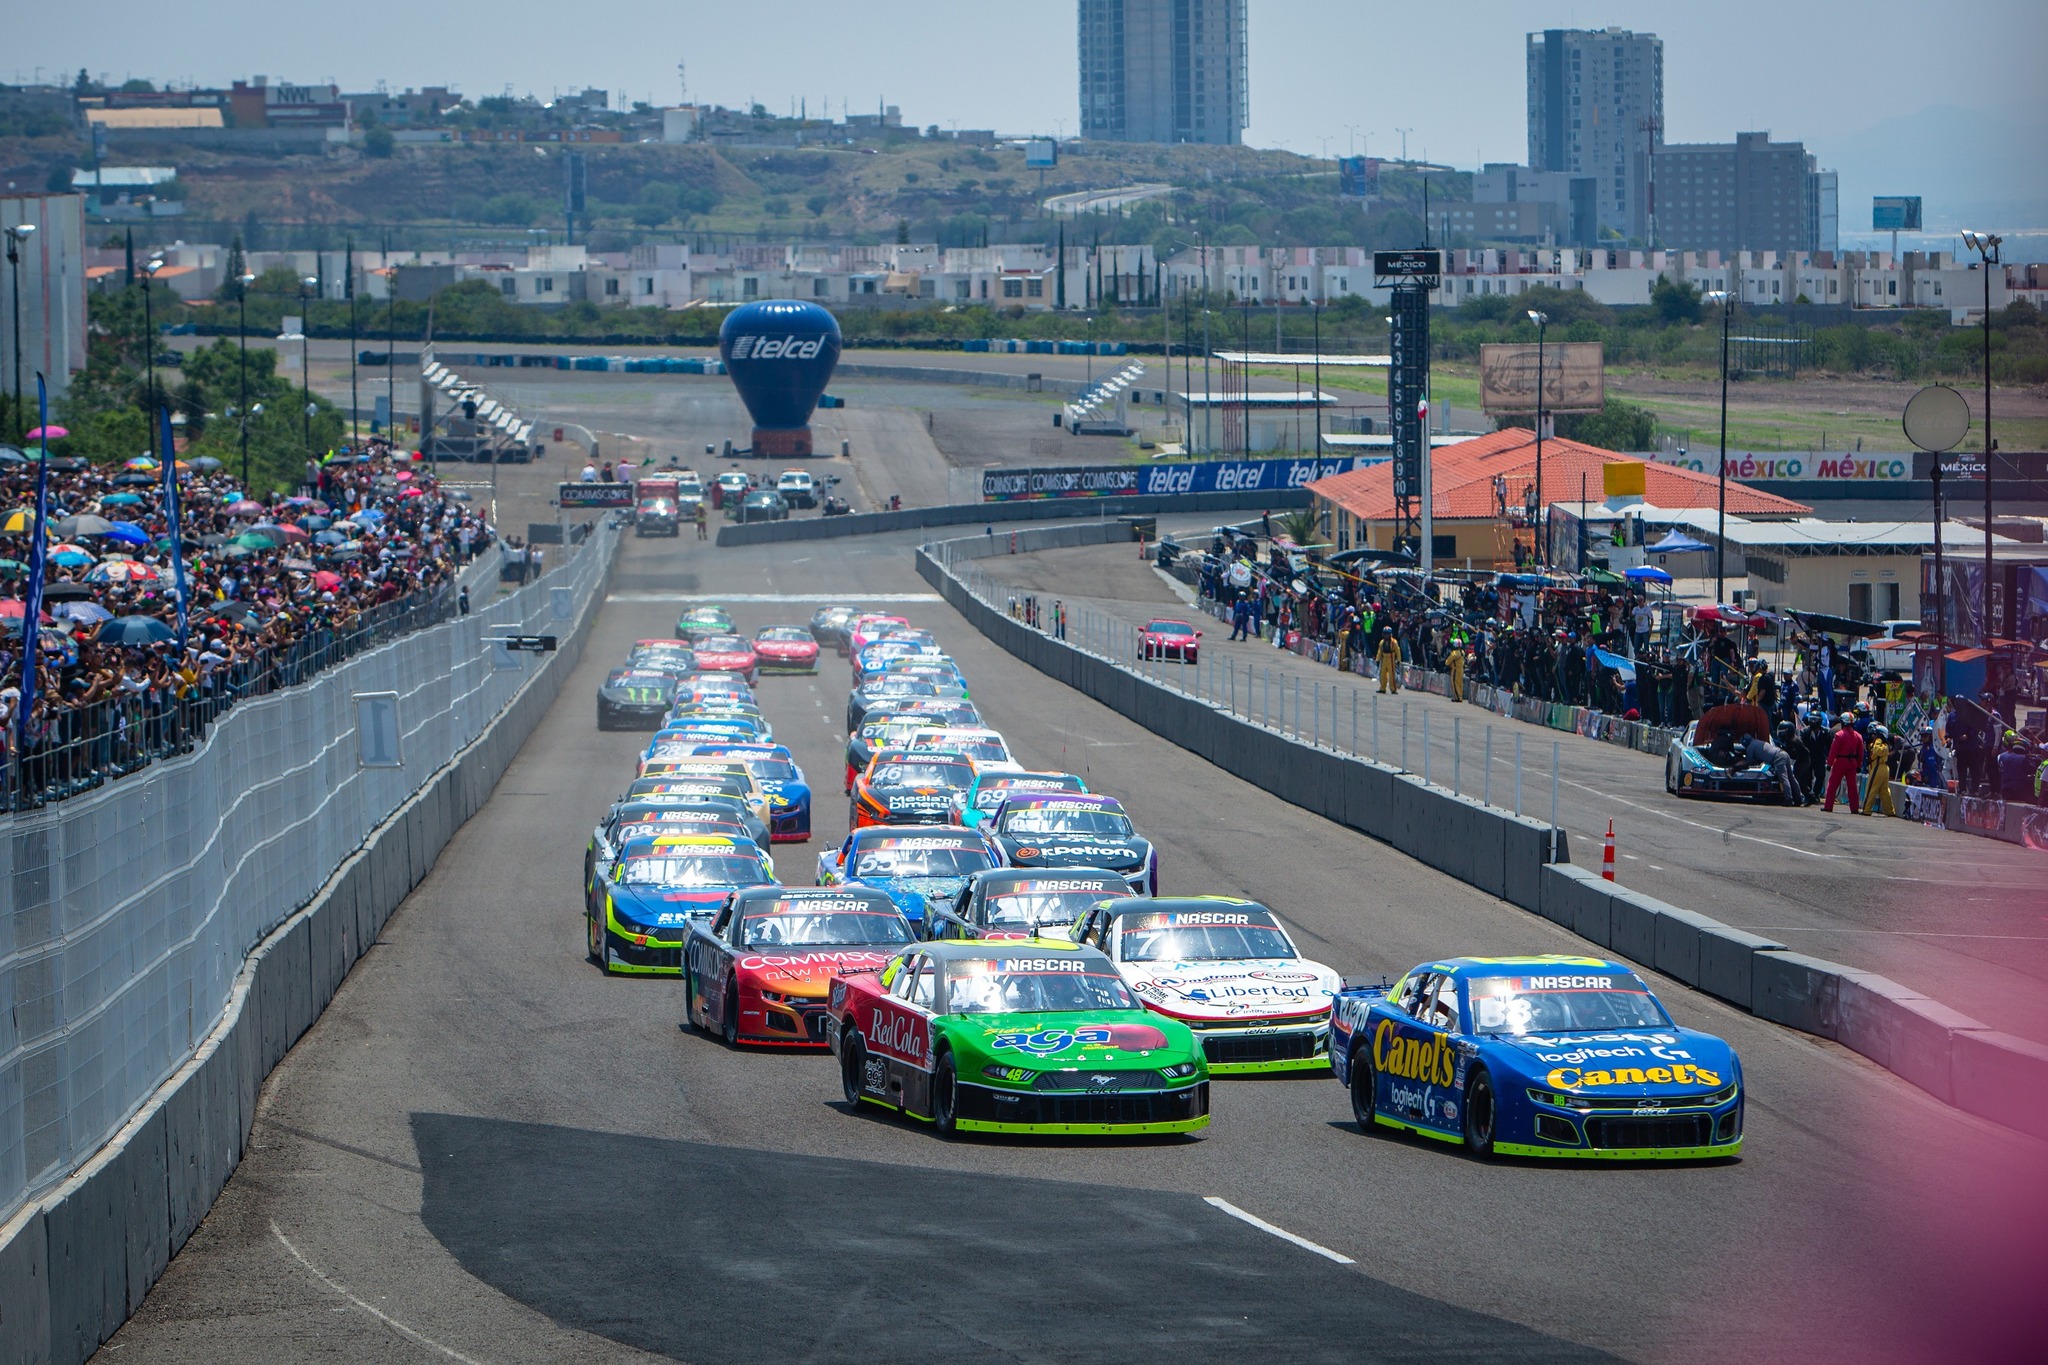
<point x="1181" y="476"/>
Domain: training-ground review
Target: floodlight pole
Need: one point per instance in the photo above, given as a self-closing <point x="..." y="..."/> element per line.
<point x="1986" y="245"/>
<point x="1542" y="321"/>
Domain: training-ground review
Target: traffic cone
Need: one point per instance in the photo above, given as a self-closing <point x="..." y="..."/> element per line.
<point x="1607" y="855"/>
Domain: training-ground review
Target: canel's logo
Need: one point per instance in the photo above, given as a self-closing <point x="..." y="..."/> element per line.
<point x="776" y="348"/>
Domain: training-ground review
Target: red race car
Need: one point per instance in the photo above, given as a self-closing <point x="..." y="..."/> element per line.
<point x="729" y="654"/>
<point x="1166" y="640"/>
<point x="761" y="970"/>
<point x="786" y="649"/>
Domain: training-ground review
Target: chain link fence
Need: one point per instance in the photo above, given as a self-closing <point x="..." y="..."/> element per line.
<point x="129" y="909"/>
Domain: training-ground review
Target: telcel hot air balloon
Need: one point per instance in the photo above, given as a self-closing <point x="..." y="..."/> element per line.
<point x="780" y="354"/>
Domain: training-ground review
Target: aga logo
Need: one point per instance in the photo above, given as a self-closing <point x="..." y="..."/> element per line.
<point x="776" y="348"/>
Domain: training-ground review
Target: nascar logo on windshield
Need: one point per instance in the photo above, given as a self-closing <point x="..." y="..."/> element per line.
<point x="776" y="348"/>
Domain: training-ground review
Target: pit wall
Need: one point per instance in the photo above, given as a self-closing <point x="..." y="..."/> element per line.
<point x="1957" y="1059"/>
<point x="76" y="1259"/>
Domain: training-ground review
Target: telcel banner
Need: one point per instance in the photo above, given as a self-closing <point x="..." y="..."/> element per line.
<point x="1163" y="480"/>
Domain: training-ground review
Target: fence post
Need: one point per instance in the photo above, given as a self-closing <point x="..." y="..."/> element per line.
<point x="1315" y="711"/>
<point x="1518" y="774"/>
<point x="1297" y="706"/>
<point x="1266" y="700"/>
<point x="1457" y="754"/>
<point x="1486" y="782"/>
<point x="1555" y="749"/>
<point x="1375" y="727"/>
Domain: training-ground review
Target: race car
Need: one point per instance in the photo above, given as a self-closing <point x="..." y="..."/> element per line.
<point x="704" y="684"/>
<point x="1062" y="830"/>
<point x="1714" y="757"/>
<point x="1544" y="1056"/>
<point x="761" y="970"/>
<point x="936" y="669"/>
<point x="1023" y="1036"/>
<point x="990" y="789"/>
<point x="731" y="773"/>
<point x="735" y="793"/>
<point x="786" y="649"/>
<point x="829" y="625"/>
<point x="1009" y="902"/>
<point x="907" y="644"/>
<point x="986" y="749"/>
<point x="730" y="654"/>
<point x="869" y="627"/>
<point x="1226" y="969"/>
<point x="789" y="792"/>
<point x="697" y="622"/>
<point x="884" y="689"/>
<point x="1161" y="639"/>
<point x="909" y="866"/>
<point x="634" y="697"/>
<point x="647" y="896"/>
<point x="883" y="729"/>
<point x="902" y="787"/>
<point x="673" y="657"/>
<point x="628" y="820"/>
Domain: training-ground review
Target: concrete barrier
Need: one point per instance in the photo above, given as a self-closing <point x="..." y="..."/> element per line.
<point x="984" y="513"/>
<point x="2001" y="1078"/>
<point x="76" y="1263"/>
<point x="1728" y="962"/>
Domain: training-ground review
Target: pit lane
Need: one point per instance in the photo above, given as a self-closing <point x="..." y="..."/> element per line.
<point x="513" y="1158"/>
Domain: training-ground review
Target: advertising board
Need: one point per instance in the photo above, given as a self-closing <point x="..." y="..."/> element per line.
<point x="1195" y="476"/>
<point x="1574" y="377"/>
<point x="1895" y="213"/>
<point x="598" y="495"/>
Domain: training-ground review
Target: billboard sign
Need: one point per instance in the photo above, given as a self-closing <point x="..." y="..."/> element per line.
<point x="1358" y="177"/>
<point x="1040" y="152"/>
<point x="1414" y="264"/>
<point x="780" y="354"/>
<point x="594" y="495"/>
<point x="1574" y="377"/>
<point x="1895" y="213"/>
<point x="1163" y="480"/>
<point x="1798" y="466"/>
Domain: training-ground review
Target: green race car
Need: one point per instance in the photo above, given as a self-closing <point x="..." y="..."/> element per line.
<point x="697" y="623"/>
<point x="1014" y="1036"/>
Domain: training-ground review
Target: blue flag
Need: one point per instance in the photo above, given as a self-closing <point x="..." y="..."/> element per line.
<point x="172" y="512"/>
<point x="32" y="603"/>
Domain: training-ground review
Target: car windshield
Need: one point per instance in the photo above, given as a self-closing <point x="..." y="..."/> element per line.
<point x="786" y="635"/>
<point x="772" y="769"/>
<point x="994" y="793"/>
<point x="692" y="869"/>
<point x="722" y="644"/>
<point x="811" y="925"/>
<point x="1032" y="904"/>
<point x="1203" y="936"/>
<point x="1032" y="985"/>
<point x="1171" y="628"/>
<point x="899" y="685"/>
<point x="913" y="774"/>
<point x="1566" y="1002"/>
<point x="980" y="750"/>
<point x="1067" y="820"/>
<point x="920" y="858"/>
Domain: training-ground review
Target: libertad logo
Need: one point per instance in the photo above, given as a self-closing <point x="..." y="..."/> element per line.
<point x="776" y="348"/>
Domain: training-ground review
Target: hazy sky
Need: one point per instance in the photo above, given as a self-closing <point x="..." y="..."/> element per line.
<point x="1900" y="95"/>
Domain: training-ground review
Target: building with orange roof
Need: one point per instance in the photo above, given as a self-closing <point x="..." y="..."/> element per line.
<point x="1484" y="495"/>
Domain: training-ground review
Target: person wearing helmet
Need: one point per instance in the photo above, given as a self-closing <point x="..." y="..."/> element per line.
<point x="1930" y="760"/>
<point x="1806" y="759"/>
<point x="1878" y="788"/>
<point x="2015" y="770"/>
<point x="1845" y="764"/>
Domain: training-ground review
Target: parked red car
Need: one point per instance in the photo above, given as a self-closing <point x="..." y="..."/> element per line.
<point x="1169" y="640"/>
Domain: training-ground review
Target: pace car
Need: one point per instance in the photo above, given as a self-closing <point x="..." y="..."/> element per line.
<point x="1061" y="830"/>
<point x="648" y="895"/>
<point x="1712" y="757"/>
<point x="697" y="622"/>
<point x="909" y="866"/>
<point x="633" y="696"/>
<point x="1024" y="1036"/>
<point x="1169" y="640"/>
<point x="1542" y="1056"/>
<point x="789" y="792"/>
<point x="786" y="649"/>
<point x="1010" y="902"/>
<point x="991" y="789"/>
<point x="761" y="970"/>
<point x="730" y="654"/>
<point x="1226" y="969"/>
<point x="900" y="787"/>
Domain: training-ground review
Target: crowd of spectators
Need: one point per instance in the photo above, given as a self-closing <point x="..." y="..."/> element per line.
<point x="277" y="589"/>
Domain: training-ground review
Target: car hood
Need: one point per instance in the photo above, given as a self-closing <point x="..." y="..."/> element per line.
<point x="1249" y="988"/>
<point x="808" y="971"/>
<point x="786" y="647"/>
<point x="913" y="798"/>
<point x="911" y="893"/>
<point x="1063" y="850"/>
<point x="1618" y="1064"/>
<point x="639" y="693"/>
<point x="666" y="908"/>
<point x="1109" y="1039"/>
<point x="783" y="795"/>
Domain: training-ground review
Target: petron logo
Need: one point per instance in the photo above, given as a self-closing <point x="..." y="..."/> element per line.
<point x="776" y="348"/>
<point x="1429" y="1060"/>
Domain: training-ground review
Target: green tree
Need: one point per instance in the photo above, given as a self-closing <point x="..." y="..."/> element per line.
<point x="378" y="141"/>
<point x="1674" y="301"/>
<point x="817" y="204"/>
<point x="1617" y="426"/>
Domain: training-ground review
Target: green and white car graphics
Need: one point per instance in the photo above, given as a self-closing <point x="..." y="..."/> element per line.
<point x="1018" y="1036"/>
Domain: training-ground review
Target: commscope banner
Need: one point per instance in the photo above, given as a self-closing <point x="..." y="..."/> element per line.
<point x="1195" y="476"/>
<point x="1799" y="466"/>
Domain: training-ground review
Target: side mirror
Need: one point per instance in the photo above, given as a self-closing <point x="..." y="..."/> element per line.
<point x="1198" y="635"/>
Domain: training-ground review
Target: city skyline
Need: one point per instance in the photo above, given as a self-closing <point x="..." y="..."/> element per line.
<point x="1973" y="148"/>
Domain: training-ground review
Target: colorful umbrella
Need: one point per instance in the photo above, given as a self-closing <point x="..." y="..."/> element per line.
<point x="19" y="522"/>
<point x="12" y="568"/>
<point x="245" y="507"/>
<point x="14" y="607"/>
<point x="134" y="630"/>
<point x="127" y="533"/>
<point x="326" y="581"/>
<point x="206" y="462"/>
<point x="53" y="433"/>
<point x="291" y="532"/>
<point x="71" y="559"/>
<point x="141" y="462"/>
<point x="121" y="499"/>
<point x="315" y="523"/>
<point x="330" y="538"/>
<point x="136" y="480"/>
<point x="122" y="571"/>
<point x="85" y="613"/>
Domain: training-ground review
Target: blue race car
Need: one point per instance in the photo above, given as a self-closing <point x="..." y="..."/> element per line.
<point x="1536" y="1056"/>
<point x="649" y="894"/>
<point x="789" y="792"/>
<point x="910" y="864"/>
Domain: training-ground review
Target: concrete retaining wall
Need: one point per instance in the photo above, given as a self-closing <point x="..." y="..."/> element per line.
<point x="76" y="1263"/>
<point x="1948" y="1054"/>
<point x="980" y="513"/>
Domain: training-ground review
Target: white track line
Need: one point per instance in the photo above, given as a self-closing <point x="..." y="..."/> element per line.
<point x="1282" y="1233"/>
<point x="393" y="1323"/>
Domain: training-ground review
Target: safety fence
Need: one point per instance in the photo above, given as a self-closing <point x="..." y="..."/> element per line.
<point x="1959" y="1060"/>
<point x="130" y="909"/>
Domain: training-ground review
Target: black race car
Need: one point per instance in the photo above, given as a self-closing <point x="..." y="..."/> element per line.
<point x="829" y="626"/>
<point x="635" y="698"/>
<point x="1728" y="753"/>
<point x="1058" y="830"/>
<point x="884" y="690"/>
<point x="1022" y="902"/>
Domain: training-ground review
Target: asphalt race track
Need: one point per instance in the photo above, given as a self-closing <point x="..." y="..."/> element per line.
<point x="485" y="1151"/>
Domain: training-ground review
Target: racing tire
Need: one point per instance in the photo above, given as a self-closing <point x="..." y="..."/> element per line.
<point x="729" y="1027"/>
<point x="853" y="1065"/>
<point x="945" y="1097"/>
<point x="1364" y="1087"/>
<point x="689" y="999"/>
<point x="596" y="945"/>
<point x="1480" y="1116"/>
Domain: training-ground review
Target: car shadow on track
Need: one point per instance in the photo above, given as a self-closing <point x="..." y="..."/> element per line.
<point x="1457" y="1151"/>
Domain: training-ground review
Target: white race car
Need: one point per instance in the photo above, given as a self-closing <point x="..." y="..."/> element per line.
<point x="1225" y="968"/>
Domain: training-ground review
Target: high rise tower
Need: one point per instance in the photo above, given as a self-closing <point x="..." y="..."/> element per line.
<point x="1163" y="70"/>
<point x="1596" y="107"/>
